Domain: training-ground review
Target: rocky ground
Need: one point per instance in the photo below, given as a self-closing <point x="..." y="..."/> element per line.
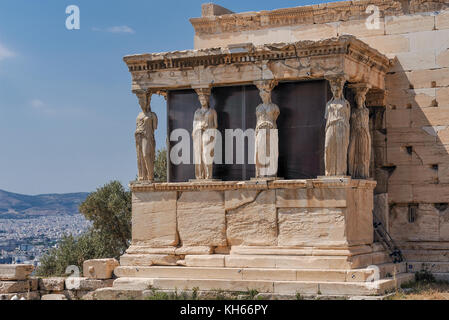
<point x="422" y="290"/>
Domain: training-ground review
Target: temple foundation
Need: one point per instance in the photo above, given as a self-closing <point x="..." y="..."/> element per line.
<point x="283" y="236"/>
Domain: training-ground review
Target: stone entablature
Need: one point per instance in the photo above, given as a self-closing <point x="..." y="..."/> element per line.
<point x="314" y="14"/>
<point x="330" y="182"/>
<point x="304" y="60"/>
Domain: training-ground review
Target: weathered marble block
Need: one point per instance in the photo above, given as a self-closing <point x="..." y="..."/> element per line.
<point x="251" y="217"/>
<point x="327" y="212"/>
<point x="311" y="226"/>
<point x="154" y="218"/>
<point x="52" y="284"/>
<point x="326" y="215"/>
<point x="99" y="268"/>
<point x="14" y="286"/>
<point x="15" y="271"/>
<point x="311" y="198"/>
<point x="201" y="218"/>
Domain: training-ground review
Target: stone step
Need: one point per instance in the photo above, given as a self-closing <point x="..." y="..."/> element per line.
<point x="356" y="275"/>
<point x="258" y="261"/>
<point x="264" y="286"/>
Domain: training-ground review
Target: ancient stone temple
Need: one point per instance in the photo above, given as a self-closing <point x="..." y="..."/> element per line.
<point x="313" y="155"/>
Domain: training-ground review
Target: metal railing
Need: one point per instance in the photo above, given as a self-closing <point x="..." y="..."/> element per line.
<point x="386" y="240"/>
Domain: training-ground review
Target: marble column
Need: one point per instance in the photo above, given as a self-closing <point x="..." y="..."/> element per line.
<point x="359" y="153"/>
<point x="205" y="124"/>
<point x="337" y="116"/>
<point x="146" y="124"/>
<point x="266" y="135"/>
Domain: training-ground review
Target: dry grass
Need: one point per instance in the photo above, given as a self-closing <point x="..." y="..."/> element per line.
<point x="423" y="290"/>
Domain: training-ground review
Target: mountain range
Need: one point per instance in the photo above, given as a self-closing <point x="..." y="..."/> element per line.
<point x="19" y="206"/>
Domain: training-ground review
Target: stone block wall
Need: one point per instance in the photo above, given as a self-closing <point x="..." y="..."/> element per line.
<point x="411" y="138"/>
<point x="333" y="213"/>
<point x="18" y="283"/>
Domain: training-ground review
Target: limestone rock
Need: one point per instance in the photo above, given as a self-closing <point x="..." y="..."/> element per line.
<point x="99" y="268"/>
<point x="51" y="284"/>
<point x="21" y="296"/>
<point x="116" y="294"/>
<point x="201" y="219"/>
<point x="53" y="297"/>
<point x="85" y="284"/>
<point x="14" y="286"/>
<point x="15" y="271"/>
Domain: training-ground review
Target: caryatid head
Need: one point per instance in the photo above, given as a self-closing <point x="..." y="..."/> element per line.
<point x="360" y="94"/>
<point x="204" y="100"/>
<point x="203" y="97"/>
<point x="144" y="101"/>
<point x="337" y="84"/>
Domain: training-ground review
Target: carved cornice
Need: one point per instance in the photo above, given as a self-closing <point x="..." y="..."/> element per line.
<point x="181" y="67"/>
<point x="314" y="14"/>
<point x="277" y="51"/>
<point x="376" y="98"/>
<point x="327" y="182"/>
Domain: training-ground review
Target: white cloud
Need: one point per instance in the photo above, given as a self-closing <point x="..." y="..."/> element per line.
<point x="5" y="52"/>
<point x="117" y="29"/>
<point x="37" y="104"/>
<point x="121" y="29"/>
<point x="42" y="107"/>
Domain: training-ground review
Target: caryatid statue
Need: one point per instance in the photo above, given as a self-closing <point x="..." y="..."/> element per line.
<point x="359" y="153"/>
<point x="337" y="116"/>
<point x="203" y="133"/>
<point x="145" y="142"/>
<point x="266" y="136"/>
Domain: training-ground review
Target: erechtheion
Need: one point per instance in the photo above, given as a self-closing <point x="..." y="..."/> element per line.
<point x="344" y="183"/>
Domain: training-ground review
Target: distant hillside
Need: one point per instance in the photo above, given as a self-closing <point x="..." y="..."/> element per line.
<point x="13" y="205"/>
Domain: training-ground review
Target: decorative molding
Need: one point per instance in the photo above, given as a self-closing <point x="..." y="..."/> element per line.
<point x="189" y="59"/>
<point x="306" y="15"/>
<point x="334" y="182"/>
<point x="282" y="62"/>
<point x="376" y="98"/>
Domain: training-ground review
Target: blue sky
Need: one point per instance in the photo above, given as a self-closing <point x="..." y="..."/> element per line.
<point x="67" y="116"/>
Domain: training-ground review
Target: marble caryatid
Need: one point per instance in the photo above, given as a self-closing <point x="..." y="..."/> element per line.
<point x="266" y="137"/>
<point x="145" y="142"/>
<point x="337" y="116"/>
<point x="203" y="133"/>
<point x="359" y="153"/>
